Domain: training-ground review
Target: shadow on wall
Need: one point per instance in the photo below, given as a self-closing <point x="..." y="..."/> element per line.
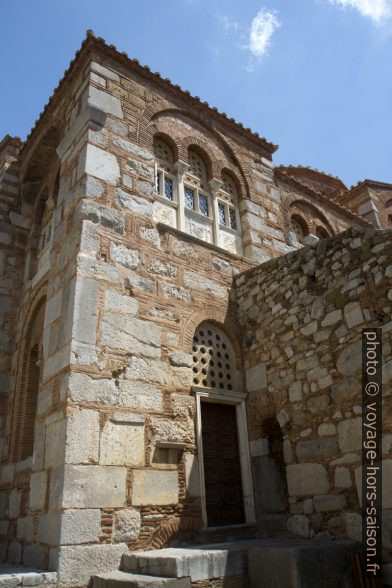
<point x="269" y="470"/>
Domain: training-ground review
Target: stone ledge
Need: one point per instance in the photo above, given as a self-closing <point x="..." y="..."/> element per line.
<point x="19" y="576"/>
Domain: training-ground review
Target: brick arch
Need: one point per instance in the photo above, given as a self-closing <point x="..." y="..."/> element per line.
<point x="221" y="318"/>
<point x="292" y="204"/>
<point x="148" y="125"/>
<point x="174" y="143"/>
<point x="170" y="528"/>
<point x="205" y="152"/>
<point x="233" y="172"/>
<point x="24" y="407"/>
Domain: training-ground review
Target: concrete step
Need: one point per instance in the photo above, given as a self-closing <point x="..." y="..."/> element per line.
<point x="129" y="580"/>
<point x="199" y="563"/>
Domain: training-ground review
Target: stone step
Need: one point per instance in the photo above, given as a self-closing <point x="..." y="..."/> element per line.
<point x="129" y="580"/>
<point x="198" y="563"/>
<point x="11" y="576"/>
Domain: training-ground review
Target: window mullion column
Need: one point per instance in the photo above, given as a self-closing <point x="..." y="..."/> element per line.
<point x="180" y="167"/>
<point x="214" y="186"/>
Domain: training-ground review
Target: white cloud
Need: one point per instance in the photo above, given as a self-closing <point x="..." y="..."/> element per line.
<point x="262" y="28"/>
<point x="377" y="10"/>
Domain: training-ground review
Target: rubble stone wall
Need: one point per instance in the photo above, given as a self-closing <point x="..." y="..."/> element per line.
<point x="301" y="317"/>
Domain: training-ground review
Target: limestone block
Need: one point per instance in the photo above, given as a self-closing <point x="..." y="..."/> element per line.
<point x="104" y="71"/>
<point x="259" y="447"/>
<point x="342" y="477"/>
<point x="105" y="102"/>
<point x="353" y="314"/>
<point x="85" y="314"/>
<point x="179" y="377"/>
<point x="161" y="268"/>
<point x="4" y="528"/>
<point x="329" y="503"/>
<point x="146" y="370"/>
<point x="183" y="407"/>
<point x="55" y="443"/>
<point x="175" y="431"/>
<point x="127" y="257"/>
<point x="121" y="302"/>
<point x="287" y="451"/>
<point x="192" y="478"/>
<point x="150" y="235"/>
<point x="155" y="487"/>
<point x="82" y="436"/>
<point x="307" y="479"/>
<point x="122" y="441"/>
<point x="83" y="354"/>
<point x="48" y="530"/>
<point x="326" y="429"/>
<point x="349" y="361"/>
<point x="7" y="473"/>
<point x="181" y="359"/>
<point x="93" y="486"/>
<point x="299" y="525"/>
<point x="295" y="391"/>
<point x="163" y="213"/>
<point x="80" y="526"/>
<point x="350" y="434"/>
<point x="77" y="564"/>
<point x="315" y="448"/>
<point x="133" y="280"/>
<point x="126" y="525"/>
<point x="14" y="555"/>
<point x="353" y="522"/>
<point x="198" y="282"/>
<point x="134" y="204"/>
<point x="94" y="188"/>
<point x="38" y="482"/>
<point x="25" y="528"/>
<point x="133" y="148"/>
<point x="100" y="270"/>
<point x="141" y="169"/>
<point x="100" y="215"/>
<point x="129" y="394"/>
<point x="100" y="164"/>
<point x="53" y="308"/>
<point x="14" y="504"/>
<point x="177" y="292"/>
<point x="126" y="333"/>
<point x="346" y="390"/>
<point x="256" y="377"/>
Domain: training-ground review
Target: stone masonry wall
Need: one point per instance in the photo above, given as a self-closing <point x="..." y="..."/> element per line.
<point x="301" y="317"/>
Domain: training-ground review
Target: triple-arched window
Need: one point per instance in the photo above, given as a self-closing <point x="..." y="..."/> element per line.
<point x="188" y="199"/>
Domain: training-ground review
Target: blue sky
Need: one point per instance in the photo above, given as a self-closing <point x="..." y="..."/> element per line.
<point x="313" y="76"/>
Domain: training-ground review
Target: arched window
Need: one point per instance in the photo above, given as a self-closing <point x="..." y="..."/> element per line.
<point x="27" y="387"/>
<point x="300" y="228"/>
<point x="214" y="361"/>
<point x="228" y="203"/>
<point x="196" y="196"/>
<point x="165" y="179"/>
<point x="322" y="233"/>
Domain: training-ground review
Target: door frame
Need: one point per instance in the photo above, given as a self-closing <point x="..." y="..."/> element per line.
<point x="238" y="400"/>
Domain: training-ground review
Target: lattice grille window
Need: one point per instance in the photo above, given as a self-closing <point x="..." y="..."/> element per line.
<point x="164" y="177"/>
<point x="300" y="229"/>
<point x="197" y="166"/>
<point x="163" y="152"/>
<point x="213" y="358"/>
<point x="229" y="189"/>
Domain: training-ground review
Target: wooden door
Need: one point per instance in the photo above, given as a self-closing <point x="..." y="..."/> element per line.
<point x="222" y="470"/>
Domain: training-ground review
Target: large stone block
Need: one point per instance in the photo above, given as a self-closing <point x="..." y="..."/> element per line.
<point x="98" y="214"/>
<point x="77" y="564"/>
<point x="350" y="434"/>
<point x="130" y="334"/>
<point x="146" y="370"/>
<point x="127" y="257"/>
<point x="55" y="443"/>
<point x="38" y="482"/>
<point x="126" y="525"/>
<point x="174" y="431"/>
<point x="80" y="526"/>
<point x="82" y="436"/>
<point x="154" y="487"/>
<point x="85" y="314"/>
<point x="307" y="479"/>
<point x="329" y="503"/>
<point x="256" y="377"/>
<point x="14" y="504"/>
<point x="314" y="448"/>
<point x="121" y="302"/>
<point x="192" y="478"/>
<point x="134" y="204"/>
<point x="100" y="164"/>
<point x="105" y="102"/>
<point x="199" y="282"/>
<point x="349" y="360"/>
<point x="122" y="440"/>
<point x="90" y="487"/>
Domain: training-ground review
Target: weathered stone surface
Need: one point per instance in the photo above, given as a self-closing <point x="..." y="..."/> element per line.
<point x="136" y="205"/>
<point x="316" y="448"/>
<point x="126" y="525"/>
<point x="100" y="270"/>
<point x="80" y="526"/>
<point x="342" y="477"/>
<point x="38" y="483"/>
<point x="154" y="487"/>
<point x="105" y="102"/>
<point x="127" y="257"/>
<point x="114" y="300"/>
<point x="161" y="268"/>
<point x="24" y="528"/>
<point x="348" y="362"/>
<point x="299" y="525"/>
<point x="100" y="164"/>
<point x="256" y="377"/>
<point x="88" y="486"/>
<point x="84" y="327"/>
<point x="82" y="436"/>
<point x="146" y="370"/>
<point x="181" y="359"/>
<point x="172" y="291"/>
<point x="55" y="442"/>
<point x="133" y="148"/>
<point x="350" y="434"/>
<point x="353" y="314"/>
<point x="104" y="71"/>
<point x="119" y="332"/>
<point x="192" y="479"/>
<point x="346" y="390"/>
<point x="197" y="282"/>
<point x="102" y="215"/>
<point x="307" y="479"/>
<point x="77" y="564"/>
<point x="329" y="503"/>
<point x="122" y="441"/>
<point x="168" y="430"/>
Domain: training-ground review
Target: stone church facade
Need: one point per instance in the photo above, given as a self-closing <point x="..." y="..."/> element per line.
<point x="180" y="329"/>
